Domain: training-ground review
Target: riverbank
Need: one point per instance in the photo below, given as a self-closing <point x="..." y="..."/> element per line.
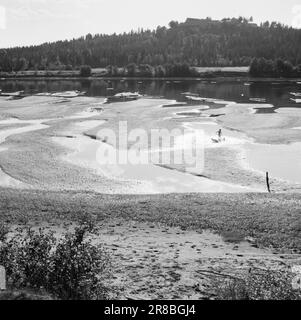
<point x="101" y="73"/>
<point x="50" y="143"/>
<point x="273" y="220"/>
<point x="184" y="240"/>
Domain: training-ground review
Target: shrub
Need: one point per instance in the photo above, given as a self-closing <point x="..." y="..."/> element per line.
<point x="68" y="268"/>
<point x="69" y="67"/>
<point x="27" y="258"/>
<point x="85" y="71"/>
<point x="77" y="268"/>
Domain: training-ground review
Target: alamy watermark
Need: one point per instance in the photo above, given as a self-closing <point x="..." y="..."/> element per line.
<point x="160" y="146"/>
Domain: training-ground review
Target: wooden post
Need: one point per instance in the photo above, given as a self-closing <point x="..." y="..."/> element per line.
<point x="2" y="278"/>
<point x="268" y="182"/>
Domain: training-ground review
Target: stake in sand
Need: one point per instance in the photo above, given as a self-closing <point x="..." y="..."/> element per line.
<point x="268" y="182"/>
<point x="2" y="278"/>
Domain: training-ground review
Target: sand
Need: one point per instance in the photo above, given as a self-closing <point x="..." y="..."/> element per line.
<point x="153" y="179"/>
<point x="62" y="153"/>
<point x="153" y="261"/>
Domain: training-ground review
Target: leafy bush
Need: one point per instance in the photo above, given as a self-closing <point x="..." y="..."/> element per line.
<point x="69" y="67"/>
<point x="148" y="71"/>
<point x="68" y="268"/>
<point x="259" y="285"/>
<point x="77" y="268"/>
<point x="26" y="258"/>
<point x="85" y="71"/>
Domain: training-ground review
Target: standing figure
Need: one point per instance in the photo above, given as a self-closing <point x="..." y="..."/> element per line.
<point x="219" y="135"/>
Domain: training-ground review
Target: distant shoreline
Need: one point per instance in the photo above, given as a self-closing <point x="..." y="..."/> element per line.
<point x="99" y="73"/>
<point x="212" y="75"/>
<point x="201" y="78"/>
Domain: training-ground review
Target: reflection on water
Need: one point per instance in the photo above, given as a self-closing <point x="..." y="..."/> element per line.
<point x="275" y="92"/>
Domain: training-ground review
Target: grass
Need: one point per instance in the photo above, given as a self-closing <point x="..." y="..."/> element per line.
<point x="272" y="220"/>
<point x="258" y="285"/>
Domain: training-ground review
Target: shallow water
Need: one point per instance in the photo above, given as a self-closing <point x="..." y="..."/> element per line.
<point x="155" y="179"/>
<point x="89" y="153"/>
<point x="276" y="92"/>
<point x="281" y="161"/>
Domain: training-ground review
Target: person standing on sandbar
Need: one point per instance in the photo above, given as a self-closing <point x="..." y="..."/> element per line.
<point x="219" y="135"/>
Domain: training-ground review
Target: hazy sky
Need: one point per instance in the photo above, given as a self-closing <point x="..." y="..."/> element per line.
<point x="24" y="22"/>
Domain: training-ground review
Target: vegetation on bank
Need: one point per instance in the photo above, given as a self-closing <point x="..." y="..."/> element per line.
<point x="132" y="70"/>
<point x="259" y="68"/>
<point x="263" y="217"/>
<point x="196" y="42"/>
<point x="148" y="71"/>
<point x="74" y="263"/>
<point x="274" y="68"/>
<point x="85" y="71"/>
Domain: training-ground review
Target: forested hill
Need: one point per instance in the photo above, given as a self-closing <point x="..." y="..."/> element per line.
<point x="196" y="42"/>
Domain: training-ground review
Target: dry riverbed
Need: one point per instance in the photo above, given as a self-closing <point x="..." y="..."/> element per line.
<point x="161" y="245"/>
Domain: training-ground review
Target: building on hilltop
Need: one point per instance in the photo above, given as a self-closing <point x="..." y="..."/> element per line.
<point x="195" y="21"/>
<point x="198" y="22"/>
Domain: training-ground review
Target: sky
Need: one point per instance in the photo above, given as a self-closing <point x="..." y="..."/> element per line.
<point x="27" y="22"/>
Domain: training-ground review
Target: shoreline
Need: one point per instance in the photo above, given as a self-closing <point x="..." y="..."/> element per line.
<point x="243" y="77"/>
<point x="120" y="78"/>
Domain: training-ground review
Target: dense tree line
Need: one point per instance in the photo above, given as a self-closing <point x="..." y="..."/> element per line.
<point x="148" y="71"/>
<point x="274" y="68"/>
<point x="206" y="42"/>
